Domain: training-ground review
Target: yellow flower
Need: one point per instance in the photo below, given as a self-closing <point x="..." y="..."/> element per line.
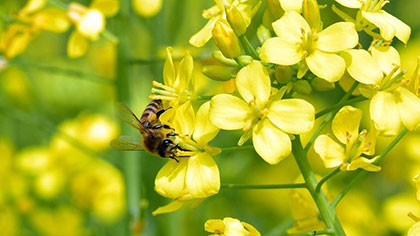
<point x="345" y="127"/>
<point x="391" y="103"/>
<point x="371" y="10"/>
<point x="415" y="229"/>
<point x="196" y="176"/>
<point x="178" y="86"/>
<point x="61" y="221"/>
<point x="30" y="21"/>
<point x="147" y="8"/>
<point x="297" y="42"/>
<point x="247" y="8"/>
<point x="265" y="117"/>
<point x="230" y="227"/>
<point x="89" y="22"/>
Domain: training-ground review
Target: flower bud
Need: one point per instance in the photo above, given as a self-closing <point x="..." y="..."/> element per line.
<point x="226" y="40"/>
<point x="147" y="8"/>
<point x="302" y="87"/>
<point x="219" y="73"/>
<point x="245" y="60"/>
<point x="311" y="14"/>
<point x="283" y="74"/>
<point x="322" y="85"/>
<point x="218" y="55"/>
<point x="275" y="8"/>
<point x="236" y="20"/>
<point x="263" y="34"/>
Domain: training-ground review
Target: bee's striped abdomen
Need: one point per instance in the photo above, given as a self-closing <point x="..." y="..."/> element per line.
<point x="149" y="114"/>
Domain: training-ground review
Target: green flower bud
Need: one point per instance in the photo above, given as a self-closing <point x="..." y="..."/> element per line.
<point x="219" y="73"/>
<point x="235" y="20"/>
<point x="263" y="34"/>
<point x="245" y="60"/>
<point x="302" y="87"/>
<point x="311" y="14"/>
<point x="283" y="74"/>
<point x="275" y="8"/>
<point x="218" y="55"/>
<point x="322" y="85"/>
<point x="226" y="40"/>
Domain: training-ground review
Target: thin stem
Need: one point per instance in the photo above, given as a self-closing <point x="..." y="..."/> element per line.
<point x="249" y="49"/>
<point x="326" y="178"/>
<point x="239" y="62"/>
<point x="339" y="105"/>
<point x="329" y="117"/>
<point x="229" y="149"/>
<point x="262" y="186"/>
<point x="315" y="232"/>
<point x="360" y="174"/>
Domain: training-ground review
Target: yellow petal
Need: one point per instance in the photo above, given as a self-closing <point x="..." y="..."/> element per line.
<point x="52" y="19"/>
<point x="414" y="230"/>
<point x="169" y="69"/>
<point x="253" y="83"/>
<point x="251" y="229"/>
<point x="204" y="130"/>
<point x="170" y="180"/>
<point x="326" y="66"/>
<point x="279" y="51"/>
<point x="77" y="45"/>
<point x="15" y="40"/>
<point x="291" y="5"/>
<point x="202" y="177"/>
<point x="362" y="67"/>
<point x="402" y="30"/>
<point x="384" y="113"/>
<point x="228" y="112"/>
<point x="295" y="116"/>
<point x="350" y="3"/>
<point x="290" y="26"/>
<point x="107" y="7"/>
<point x="345" y="124"/>
<point x="91" y="24"/>
<point x="386" y="57"/>
<point x="331" y="153"/>
<point x="338" y="37"/>
<point x="184" y="120"/>
<point x="270" y="142"/>
<point x="214" y="226"/>
<point x="409" y="108"/>
<point x="363" y="163"/>
<point x="378" y="18"/>
<point x="147" y="8"/>
<point x="205" y="34"/>
<point x="32" y="6"/>
<point x="416" y="180"/>
<point x="233" y="227"/>
<point x="184" y="74"/>
<point x="171" y="207"/>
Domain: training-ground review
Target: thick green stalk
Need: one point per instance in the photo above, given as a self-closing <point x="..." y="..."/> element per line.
<point x="326" y="210"/>
<point x="249" y="49"/>
<point x="130" y="160"/>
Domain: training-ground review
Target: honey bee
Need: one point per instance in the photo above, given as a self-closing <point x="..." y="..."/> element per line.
<point x="156" y="136"/>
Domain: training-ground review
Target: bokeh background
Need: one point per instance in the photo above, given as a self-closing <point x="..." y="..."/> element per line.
<point x="59" y="176"/>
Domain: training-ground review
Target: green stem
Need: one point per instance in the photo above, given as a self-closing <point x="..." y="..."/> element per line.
<point x="326" y="211"/>
<point x="262" y="186"/>
<point x="339" y="105"/>
<point x="360" y="174"/>
<point x="326" y="178"/>
<point x="239" y="62"/>
<point x="315" y="232"/>
<point x="249" y="49"/>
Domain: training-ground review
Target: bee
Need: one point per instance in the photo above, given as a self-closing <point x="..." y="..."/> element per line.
<point x="157" y="137"/>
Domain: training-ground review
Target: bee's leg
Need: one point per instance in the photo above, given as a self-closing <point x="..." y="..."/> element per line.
<point x="147" y="124"/>
<point x="174" y="158"/>
<point x="157" y="126"/>
<point x="171" y="134"/>
<point x="160" y="112"/>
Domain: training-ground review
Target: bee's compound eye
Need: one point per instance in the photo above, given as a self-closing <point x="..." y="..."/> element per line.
<point x="167" y="142"/>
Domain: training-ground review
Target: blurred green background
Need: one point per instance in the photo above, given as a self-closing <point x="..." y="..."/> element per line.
<point x="59" y="177"/>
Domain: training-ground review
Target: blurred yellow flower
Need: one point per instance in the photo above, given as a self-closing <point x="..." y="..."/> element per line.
<point x="391" y="102"/>
<point x="371" y="10"/>
<point x="297" y="42"/>
<point x="262" y="115"/>
<point x="89" y="22"/>
<point x="196" y="176"/>
<point x="230" y="227"/>
<point x="9" y="222"/>
<point x="247" y="8"/>
<point x="62" y="221"/>
<point x="147" y="8"/>
<point x="178" y="86"/>
<point x="345" y="127"/>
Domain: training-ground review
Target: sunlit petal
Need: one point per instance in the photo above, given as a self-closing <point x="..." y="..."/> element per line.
<point x="386" y="57"/>
<point x="363" y="163"/>
<point x="205" y="34"/>
<point x="213" y="226"/>
<point x="290" y="27"/>
<point x="384" y="113"/>
<point x="270" y="142"/>
<point x="326" y="66"/>
<point x="52" y="19"/>
<point x="202" y="177"/>
<point x="107" y="7"/>
<point x="387" y="30"/>
<point x="234" y="227"/>
<point x="77" y="45"/>
<point x="170" y="180"/>
<point x="204" y="129"/>
<point x="345" y="124"/>
<point x="228" y="112"/>
<point x="253" y="83"/>
<point x="338" y="37"/>
<point x="331" y="153"/>
<point x="350" y="3"/>
<point x="362" y="67"/>
<point x="409" y="107"/>
<point x="294" y="116"/>
<point x="414" y="230"/>
<point x="291" y="5"/>
<point x="184" y="119"/>
<point x="279" y="51"/>
<point x="184" y="74"/>
<point x="171" y="207"/>
<point x="32" y="6"/>
<point x="169" y="68"/>
<point x="403" y="31"/>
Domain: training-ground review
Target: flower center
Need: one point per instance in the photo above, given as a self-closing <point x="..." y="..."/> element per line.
<point x="164" y="92"/>
<point x="309" y="41"/>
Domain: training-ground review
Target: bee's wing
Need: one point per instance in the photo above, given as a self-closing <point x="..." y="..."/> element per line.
<point x="126" y="143"/>
<point x="128" y="116"/>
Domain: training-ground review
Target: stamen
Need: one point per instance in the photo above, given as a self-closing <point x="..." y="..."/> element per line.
<point x="164" y="92"/>
<point x="162" y="86"/>
<point x="156" y="97"/>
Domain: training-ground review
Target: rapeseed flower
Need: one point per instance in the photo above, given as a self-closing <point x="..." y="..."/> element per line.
<point x="415" y="229"/>
<point x="371" y="10"/>
<point x="392" y="103"/>
<point x="317" y="51"/>
<point x="89" y="22"/>
<point x="195" y="176"/>
<point x="230" y="227"/>
<point x="262" y="115"/>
